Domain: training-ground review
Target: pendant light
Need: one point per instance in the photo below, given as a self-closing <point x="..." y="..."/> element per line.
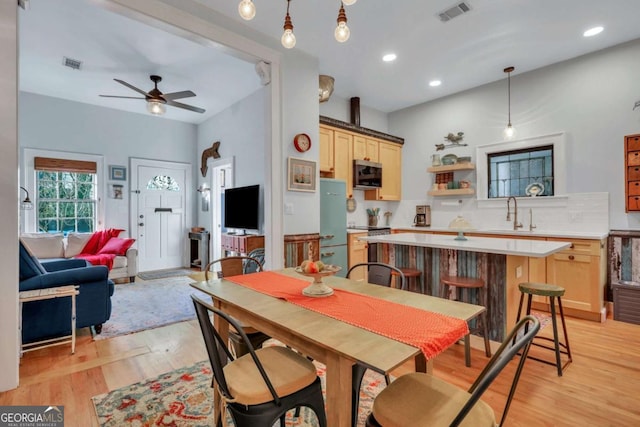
<point x="342" y="32"/>
<point x="509" y="132"/>
<point x="288" y="39"/>
<point x="247" y="11"/>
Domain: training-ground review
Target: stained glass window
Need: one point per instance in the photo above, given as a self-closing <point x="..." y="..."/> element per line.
<point x="163" y="182"/>
<point x="512" y="173"/>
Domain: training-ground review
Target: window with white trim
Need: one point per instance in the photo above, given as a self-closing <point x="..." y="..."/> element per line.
<point x="66" y="195"/>
<point x="521" y="173"/>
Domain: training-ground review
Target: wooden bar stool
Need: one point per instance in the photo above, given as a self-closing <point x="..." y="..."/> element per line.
<point x="553" y="292"/>
<point x="413" y="277"/>
<point x="466" y="284"/>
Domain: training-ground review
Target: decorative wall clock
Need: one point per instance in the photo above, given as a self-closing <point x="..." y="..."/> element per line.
<point x="302" y="142"/>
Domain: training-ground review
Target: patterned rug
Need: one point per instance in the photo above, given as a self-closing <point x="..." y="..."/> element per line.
<point x="140" y="306"/>
<point x="163" y="274"/>
<point x="184" y="398"/>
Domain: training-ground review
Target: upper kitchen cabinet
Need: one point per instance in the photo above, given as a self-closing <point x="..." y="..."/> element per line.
<point x="341" y="143"/>
<point x="336" y="158"/>
<point x="365" y="148"/>
<point x="326" y="150"/>
<point x="390" y="156"/>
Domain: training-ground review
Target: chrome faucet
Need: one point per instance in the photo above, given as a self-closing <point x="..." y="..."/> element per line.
<point x="531" y="226"/>
<point x="516" y="224"/>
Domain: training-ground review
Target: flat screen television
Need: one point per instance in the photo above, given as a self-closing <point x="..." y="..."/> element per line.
<point x="242" y="207"/>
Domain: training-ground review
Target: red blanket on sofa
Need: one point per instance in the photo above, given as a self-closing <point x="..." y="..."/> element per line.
<point x="97" y="242"/>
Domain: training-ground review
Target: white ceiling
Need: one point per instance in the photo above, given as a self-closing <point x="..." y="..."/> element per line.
<point x="465" y="52"/>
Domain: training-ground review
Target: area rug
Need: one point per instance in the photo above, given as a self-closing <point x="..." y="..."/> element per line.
<point x="147" y="305"/>
<point x="163" y="274"/>
<point x="184" y="398"/>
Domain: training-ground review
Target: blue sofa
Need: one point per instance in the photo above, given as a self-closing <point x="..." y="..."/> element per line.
<point x="51" y="318"/>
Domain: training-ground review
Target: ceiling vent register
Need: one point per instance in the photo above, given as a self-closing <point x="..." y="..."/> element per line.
<point x="454" y="11"/>
<point x="71" y="63"/>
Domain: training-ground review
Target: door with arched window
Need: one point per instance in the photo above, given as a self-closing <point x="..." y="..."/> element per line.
<point x="159" y="201"/>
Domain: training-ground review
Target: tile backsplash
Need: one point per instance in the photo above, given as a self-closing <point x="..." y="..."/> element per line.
<point x="574" y="212"/>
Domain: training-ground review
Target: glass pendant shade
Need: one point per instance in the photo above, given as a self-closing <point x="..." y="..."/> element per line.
<point x="288" y="39"/>
<point x="342" y="32"/>
<point x="156" y="108"/>
<point x="349" y="2"/>
<point x="509" y="132"/>
<point x="247" y="10"/>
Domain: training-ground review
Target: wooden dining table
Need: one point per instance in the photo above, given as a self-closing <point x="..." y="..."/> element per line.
<point x="336" y="344"/>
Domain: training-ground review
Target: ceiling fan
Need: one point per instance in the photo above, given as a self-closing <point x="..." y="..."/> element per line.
<point x="156" y="100"/>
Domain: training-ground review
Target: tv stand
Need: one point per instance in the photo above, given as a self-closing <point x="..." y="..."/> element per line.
<point x="241" y="243"/>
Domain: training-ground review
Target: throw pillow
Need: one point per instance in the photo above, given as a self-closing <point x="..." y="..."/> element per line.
<point x="117" y="246"/>
<point x="75" y="243"/>
<point x="44" y="245"/>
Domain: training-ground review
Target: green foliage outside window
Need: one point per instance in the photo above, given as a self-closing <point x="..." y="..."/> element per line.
<point x="66" y="201"/>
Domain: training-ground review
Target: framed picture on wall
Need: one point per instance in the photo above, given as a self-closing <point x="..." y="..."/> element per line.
<point x="117" y="173"/>
<point x="301" y="175"/>
<point x="116" y="191"/>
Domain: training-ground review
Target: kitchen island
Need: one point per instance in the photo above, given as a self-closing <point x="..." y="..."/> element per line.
<point x="501" y="262"/>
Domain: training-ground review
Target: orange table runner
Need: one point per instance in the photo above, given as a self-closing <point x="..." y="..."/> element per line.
<point x="430" y="332"/>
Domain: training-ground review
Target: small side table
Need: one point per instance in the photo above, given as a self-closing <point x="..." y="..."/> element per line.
<point x="49" y="293"/>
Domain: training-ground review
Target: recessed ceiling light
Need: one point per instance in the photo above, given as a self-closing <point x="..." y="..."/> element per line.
<point x="592" y="31"/>
<point x="389" y="57"/>
<point x="434" y="83"/>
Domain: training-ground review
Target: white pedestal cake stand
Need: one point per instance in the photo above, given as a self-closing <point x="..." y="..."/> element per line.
<point x="318" y="288"/>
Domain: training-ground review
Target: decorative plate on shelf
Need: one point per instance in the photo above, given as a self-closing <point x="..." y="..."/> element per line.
<point x="534" y="189"/>
<point x="449" y="159"/>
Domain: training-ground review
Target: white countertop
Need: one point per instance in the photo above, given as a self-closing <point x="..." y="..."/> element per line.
<point x="520" y="247"/>
<point x="599" y="235"/>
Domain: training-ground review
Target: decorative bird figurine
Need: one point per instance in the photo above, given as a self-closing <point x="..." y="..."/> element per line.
<point x="454" y="141"/>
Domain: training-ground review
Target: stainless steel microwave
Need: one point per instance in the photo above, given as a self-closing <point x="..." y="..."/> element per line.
<point x="367" y="175"/>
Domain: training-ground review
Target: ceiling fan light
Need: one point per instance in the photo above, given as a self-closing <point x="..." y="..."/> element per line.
<point x="247" y="10"/>
<point x="156" y="108"/>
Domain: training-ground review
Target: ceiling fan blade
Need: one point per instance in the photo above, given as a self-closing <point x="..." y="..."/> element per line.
<point x="128" y="97"/>
<point x="140" y="91"/>
<point x="177" y="95"/>
<point x="185" y="106"/>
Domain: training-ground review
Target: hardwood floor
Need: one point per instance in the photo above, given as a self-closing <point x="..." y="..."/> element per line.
<point x="600" y="387"/>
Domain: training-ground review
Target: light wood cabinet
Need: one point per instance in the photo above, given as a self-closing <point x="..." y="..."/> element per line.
<point x="365" y="148"/>
<point x="343" y="159"/>
<point x="339" y="146"/>
<point x="357" y="250"/>
<point x="632" y="172"/>
<point x="326" y="150"/>
<point x="390" y="156"/>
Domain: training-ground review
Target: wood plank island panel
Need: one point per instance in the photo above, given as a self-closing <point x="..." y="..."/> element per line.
<point x="492" y="268"/>
<point x="297" y="246"/>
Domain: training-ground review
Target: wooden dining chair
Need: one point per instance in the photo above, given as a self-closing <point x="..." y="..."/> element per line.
<point x="260" y="387"/>
<point x="234" y="266"/>
<point x="378" y="273"/>
<point x="420" y="399"/>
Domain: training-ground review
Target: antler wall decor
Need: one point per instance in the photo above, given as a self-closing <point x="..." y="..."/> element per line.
<point x="209" y="152"/>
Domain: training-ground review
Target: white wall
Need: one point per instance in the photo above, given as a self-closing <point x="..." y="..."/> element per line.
<point x="57" y="124"/>
<point x="300" y="114"/>
<point x="589" y="98"/>
<point x="242" y="134"/>
<point x="9" y="196"/>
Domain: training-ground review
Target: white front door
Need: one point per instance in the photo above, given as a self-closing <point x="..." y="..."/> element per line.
<point x="159" y="203"/>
